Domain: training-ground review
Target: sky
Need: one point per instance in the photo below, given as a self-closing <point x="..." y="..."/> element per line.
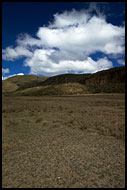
<point x="53" y="38"/>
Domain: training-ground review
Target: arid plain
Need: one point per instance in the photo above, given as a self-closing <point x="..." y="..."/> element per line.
<point x="63" y="141"/>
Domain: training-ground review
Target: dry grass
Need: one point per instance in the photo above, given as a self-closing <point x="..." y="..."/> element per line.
<point x="8" y="86"/>
<point x="64" y="141"/>
<point x="3" y="127"/>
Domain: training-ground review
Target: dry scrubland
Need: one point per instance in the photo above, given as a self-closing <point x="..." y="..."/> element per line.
<point x="63" y="141"/>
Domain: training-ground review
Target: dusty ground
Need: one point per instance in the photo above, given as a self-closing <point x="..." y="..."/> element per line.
<point x="63" y="141"/>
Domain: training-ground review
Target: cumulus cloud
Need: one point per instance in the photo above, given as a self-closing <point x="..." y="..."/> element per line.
<point x="67" y="43"/>
<point x="11" y="53"/>
<point x="95" y="35"/>
<point x="69" y="18"/>
<point x="25" y="40"/>
<point x="5" y="71"/>
<point x="41" y="63"/>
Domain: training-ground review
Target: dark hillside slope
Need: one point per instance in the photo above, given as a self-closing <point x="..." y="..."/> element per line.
<point x="114" y="75"/>
<point x="56" y="80"/>
<point x="66" y="78"/>
<point x="107" y="81"/>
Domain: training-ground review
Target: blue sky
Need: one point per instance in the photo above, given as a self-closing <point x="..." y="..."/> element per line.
<point x="51" y="38"/>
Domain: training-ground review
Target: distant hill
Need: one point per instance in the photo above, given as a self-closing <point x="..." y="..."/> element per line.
<point x="66" y="78"/>
<point x="106" y="81"/>
<point x="55" y="80"/>
<point x="60" y="89"/>
<point x="114" y="75"/>
<point x="8" y="86"/>
<point x="21" y="80"/>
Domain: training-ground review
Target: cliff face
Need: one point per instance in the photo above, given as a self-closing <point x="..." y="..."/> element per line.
<point x="114" y="75"/>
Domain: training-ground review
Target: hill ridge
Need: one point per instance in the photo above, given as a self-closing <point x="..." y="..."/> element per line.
<point x="110" y="80"/>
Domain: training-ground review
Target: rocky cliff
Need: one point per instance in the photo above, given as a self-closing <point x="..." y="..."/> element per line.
<point x="114" y="75"/>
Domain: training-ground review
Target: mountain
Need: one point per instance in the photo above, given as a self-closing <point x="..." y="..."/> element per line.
<point x="106" y="81"/>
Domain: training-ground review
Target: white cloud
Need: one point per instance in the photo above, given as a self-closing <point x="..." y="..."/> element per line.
<point x="41" y="63"/>
<point x="121" y="61"/>
<point x="67" y="43"/>
<point x="5" y="71"/>
<point x="4" y="78"/>
<point x="11" y="54"/>
<point x="88" y="37"/>
<point x="26" y="40"/>
<point x="69" y="19"/>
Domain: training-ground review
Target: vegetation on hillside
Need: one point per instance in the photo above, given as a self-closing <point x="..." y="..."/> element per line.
<point x="107" y="81"/>
<point x="8" y="86"/>
<point x="24" y="79"/>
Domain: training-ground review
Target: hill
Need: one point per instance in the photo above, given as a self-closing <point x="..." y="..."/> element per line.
<point x="60" y="89"/>
<point x="66" y="78"/>
<point x="107" y="81"/>
<point x="24" y="79"/>
<point x="114" y="75"/>
<point x="8" y="86"/>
